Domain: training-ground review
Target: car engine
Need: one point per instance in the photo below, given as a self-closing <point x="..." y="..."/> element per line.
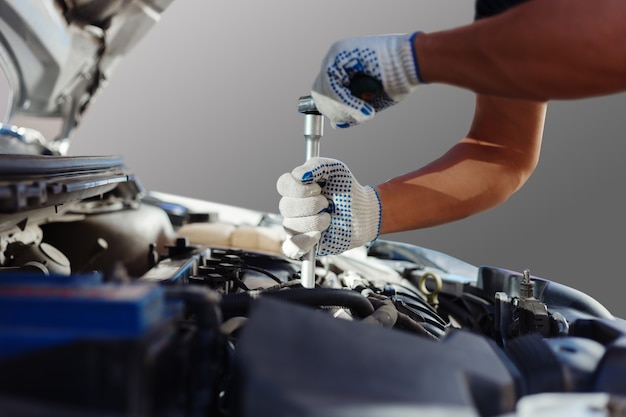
<point x="119" y="301"/>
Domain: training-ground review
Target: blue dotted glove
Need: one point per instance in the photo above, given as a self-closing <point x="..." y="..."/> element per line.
<point x="323" y="204"/>
<point x="390" y="59"/>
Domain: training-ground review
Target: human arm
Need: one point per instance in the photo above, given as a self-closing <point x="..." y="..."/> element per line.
<point x="323" y="199"/>
<point x="482" y="170"/>
<point x="538" y="50"/>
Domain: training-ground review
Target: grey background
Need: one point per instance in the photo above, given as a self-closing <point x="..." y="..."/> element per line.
<point x="205" y="107"/>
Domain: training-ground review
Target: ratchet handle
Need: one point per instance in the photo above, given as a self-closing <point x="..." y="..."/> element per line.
<point x="365" y="87"/>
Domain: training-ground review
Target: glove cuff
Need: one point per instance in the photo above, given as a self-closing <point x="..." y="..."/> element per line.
<point x="408" y="61"/>
<point x="418" y="74"/>
<point x="372" y="217"/>
<point x="400" y="67"/>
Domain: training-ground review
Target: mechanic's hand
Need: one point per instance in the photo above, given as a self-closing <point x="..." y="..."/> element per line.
<point x="322" y="203"/>
<point x="388" y="59"/>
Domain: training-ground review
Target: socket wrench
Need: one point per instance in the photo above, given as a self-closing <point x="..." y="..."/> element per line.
<point x="313" y="130"/>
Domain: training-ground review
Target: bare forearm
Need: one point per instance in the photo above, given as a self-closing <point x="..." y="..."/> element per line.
<point x="540" y="50"/>
<point x="481" y="171"/>
<point x="449" y="189"/>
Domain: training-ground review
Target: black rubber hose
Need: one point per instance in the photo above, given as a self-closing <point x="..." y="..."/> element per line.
<point x="385" y="314"/>
<point x="200" y="301"/>
<point x="239" y="304"/>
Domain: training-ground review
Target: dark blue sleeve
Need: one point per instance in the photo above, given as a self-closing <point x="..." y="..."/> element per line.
<point x="486" y="8"/>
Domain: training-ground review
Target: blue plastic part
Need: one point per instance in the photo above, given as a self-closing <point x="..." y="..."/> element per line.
<point x="22" y="278"/>
<point x="39" y="316"/>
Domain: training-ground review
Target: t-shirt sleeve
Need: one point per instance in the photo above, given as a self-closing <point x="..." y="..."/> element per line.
<point x="486" y="8"/>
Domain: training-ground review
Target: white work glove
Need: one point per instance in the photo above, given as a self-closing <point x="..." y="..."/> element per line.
<point x="389" y="59"/>
<point x="323" y="204"/>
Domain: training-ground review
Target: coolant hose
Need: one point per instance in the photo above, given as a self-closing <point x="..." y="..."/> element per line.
<point x="239" y="304"/>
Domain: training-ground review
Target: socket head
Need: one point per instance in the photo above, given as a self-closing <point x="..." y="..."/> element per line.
<point x="306" y="105"/>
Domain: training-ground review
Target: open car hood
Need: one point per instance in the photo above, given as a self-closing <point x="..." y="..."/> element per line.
<point x="57" y="55"/>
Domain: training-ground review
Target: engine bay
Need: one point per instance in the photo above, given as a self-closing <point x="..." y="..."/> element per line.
<point x="122" y="302"/>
